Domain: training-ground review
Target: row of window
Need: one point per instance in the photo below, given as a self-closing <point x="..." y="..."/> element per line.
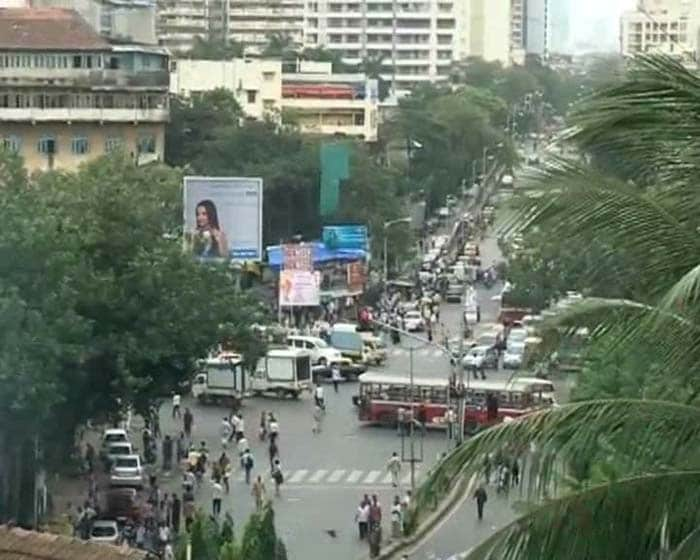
<point x="80" y="145"/>
<point x="50" y="61"/>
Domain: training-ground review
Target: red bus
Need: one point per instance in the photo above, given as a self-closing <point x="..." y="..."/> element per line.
<point x="381" y="397"/>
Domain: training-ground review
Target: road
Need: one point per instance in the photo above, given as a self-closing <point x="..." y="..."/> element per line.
<point x="327" y="474"/>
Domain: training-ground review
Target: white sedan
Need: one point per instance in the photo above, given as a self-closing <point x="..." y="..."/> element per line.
<point x="413" y="321"/>
<point x="513" y="356"/>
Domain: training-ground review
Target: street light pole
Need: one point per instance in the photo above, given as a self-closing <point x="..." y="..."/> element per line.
<point x="413" y="423"/>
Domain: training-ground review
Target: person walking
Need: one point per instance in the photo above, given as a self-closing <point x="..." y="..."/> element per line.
<point x="187" y="421"/>
<point x="217" y="496"/>
<point x="318" y="397"/>
<point x="240" y="427"/>
<point x="225" y="469"/>
<point x="263" y="426"/>
<point x="394" y="468"/>
<point x="336" y="377"/>
<point x="480" y="496"/>
<point x="176" y="406"/>
<point x="258" y="493"/>
<point x="225" y="431"/>
<point x="176" y="508"/>
<point x="318" y="415"/>
<point x="277" y="476"/>
<point x="247" y="463"/>
<point x="396" y="518"/>
<point x="362" y="518"/>
<point x="515" y="472"/>
<point x="273" y="427"/>
<point x="274" y="452"/>
<point x="167" y="448"/>
<point x="181" y="447"/>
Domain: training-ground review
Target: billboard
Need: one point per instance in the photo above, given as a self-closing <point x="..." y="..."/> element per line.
<point x="298" y="257"/>
<point x="356" y="276"/>
<point x="223" y="217"/>
<point x="299" y="288"/>
<point x="345" y="237"/>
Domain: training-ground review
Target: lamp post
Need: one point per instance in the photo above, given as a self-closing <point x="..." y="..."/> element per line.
<point x="387" y="225"/>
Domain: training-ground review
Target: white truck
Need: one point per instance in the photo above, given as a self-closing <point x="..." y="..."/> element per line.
<point x="221" y="379"/>
<point x="284" y="372"/>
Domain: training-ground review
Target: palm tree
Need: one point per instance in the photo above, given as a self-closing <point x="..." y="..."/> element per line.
<point x="642" y="501"/>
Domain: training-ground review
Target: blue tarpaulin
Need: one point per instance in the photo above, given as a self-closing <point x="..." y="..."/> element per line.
<point x="321" y="254"/>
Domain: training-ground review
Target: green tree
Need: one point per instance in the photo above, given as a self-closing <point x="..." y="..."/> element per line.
<point x="280" y="45"/>
<point x="644" y="508"/>
<point x="215" y="49"/>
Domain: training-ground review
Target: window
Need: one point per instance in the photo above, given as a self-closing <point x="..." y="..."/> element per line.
<point x="146" y="144"/>
<point x="80" y="145"/>
<point x="113" y="143"/>
<point x="11" y="143"/>
<point x="47" y="145"/>
<point x="268" y="76"/>
<point x="251" y="95"/>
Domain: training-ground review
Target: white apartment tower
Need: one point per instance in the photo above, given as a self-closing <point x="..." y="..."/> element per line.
<point x="489" y="26"/>
<point x="253" y="22"/>
<point x="415" y="41"/>
<point x="179" y="22"/>
<point x="661" y="26"/>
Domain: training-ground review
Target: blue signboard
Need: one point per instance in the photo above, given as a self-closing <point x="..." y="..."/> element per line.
<point x="345" y="237"/>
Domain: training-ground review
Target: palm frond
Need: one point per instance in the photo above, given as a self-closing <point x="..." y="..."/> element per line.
<point x="620" y="519"/>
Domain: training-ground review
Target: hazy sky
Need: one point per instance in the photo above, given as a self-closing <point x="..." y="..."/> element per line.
<point x="597" y="20"/>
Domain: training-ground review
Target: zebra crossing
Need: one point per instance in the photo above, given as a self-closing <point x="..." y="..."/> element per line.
<point x="339" y="477"/>
<point x="421" y="352"/>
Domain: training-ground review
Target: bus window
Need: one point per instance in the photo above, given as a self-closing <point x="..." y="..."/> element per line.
<point x="438" y="396"/>
<point x="395" y="392"/>
<point x="426" y="394"/>
<point x="503" y="398"/>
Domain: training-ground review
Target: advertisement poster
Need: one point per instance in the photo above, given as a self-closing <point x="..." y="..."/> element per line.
<point x="345" y="237"/>
<point x="356" y="276"/>
<point x="223" y="217"/>
<point x="298" y="257"/>
<point x="300" y="288"/>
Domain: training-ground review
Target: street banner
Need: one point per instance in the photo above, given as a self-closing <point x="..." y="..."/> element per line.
<point x="299" y="288"/>
<point x="357" y="276"/>
<point x="223" y="217"/>
<point x="345" y="237"/>
<point x="298" y="257"/>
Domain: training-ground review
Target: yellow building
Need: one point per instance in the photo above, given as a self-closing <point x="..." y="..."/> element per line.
<point x="68" y="96"/>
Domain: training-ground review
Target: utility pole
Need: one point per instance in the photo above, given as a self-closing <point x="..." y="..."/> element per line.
<point x="413" y="422"/>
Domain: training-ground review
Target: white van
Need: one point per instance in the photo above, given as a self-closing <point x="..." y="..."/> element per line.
<point x="344" y="337"/>
<point x="321" y="352"/>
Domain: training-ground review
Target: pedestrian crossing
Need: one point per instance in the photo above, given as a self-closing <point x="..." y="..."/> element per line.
<point x="339" y="477"/>
<point x="420" y="352"/>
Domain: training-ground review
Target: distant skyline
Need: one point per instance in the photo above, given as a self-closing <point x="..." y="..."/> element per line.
<point x="595" y="23"/>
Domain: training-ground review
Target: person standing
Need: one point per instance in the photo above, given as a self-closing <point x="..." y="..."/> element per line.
<point x="362" y="518"/>
<point x="240" y="427"/>
<point x="263" y="426"/>
<point x="394" y="468"/>
<point x="176" y="405"/>
<point x="225" y="469"/>
<point x="217" y="496"/>
<point x="480" y="496"/>
<point x="274" y="452"/>
<point x="258" y="492"/>
<point x="515" y="472"/>
<point x="187" y="421"/>
<point x="167" y="453"/>
<point x="336" y="377"/>
<point x="175" y="513"/>
<point x="181" y="447"/>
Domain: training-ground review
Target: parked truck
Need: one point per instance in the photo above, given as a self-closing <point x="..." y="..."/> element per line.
<point x="284" y="372"/>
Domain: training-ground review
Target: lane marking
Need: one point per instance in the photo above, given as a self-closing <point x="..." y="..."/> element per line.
<point x="317" y="476"/>
<point x="371" y="477"/>
<point x="354" y="476"/>
<point x="336" y="475"/>
<point x="298" y="476"/>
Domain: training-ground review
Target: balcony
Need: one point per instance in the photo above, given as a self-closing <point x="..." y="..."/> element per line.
<point x="315" y="104"/>
<point x="84" y="115"/>
<point x="68" y="77"/>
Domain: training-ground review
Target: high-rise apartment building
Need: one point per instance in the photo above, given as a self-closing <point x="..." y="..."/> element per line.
<point x="67" y="95"/>
<point x="662" y="26"/>
<point x="560" y="26"/>
<point x="537" y="28"/>
<point x="414" y="41"/>
<point x="253" y="22"/>
<point x="487" y="25"/>
<point x="517" y="31"/>
<point x="180" y="22"/>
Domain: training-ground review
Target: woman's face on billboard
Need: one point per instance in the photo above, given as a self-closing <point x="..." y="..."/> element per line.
<point x="202" y="217"/>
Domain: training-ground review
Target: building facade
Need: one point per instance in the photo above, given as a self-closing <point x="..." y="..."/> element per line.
<point x="560" y="27"/>
<point x="68" y="96"/>
<point x="413" y="42"/>
<point x="661" y="26"/>
<point x="487" y="24"/>
<point x="517" y="31"/>
<point x="256" y="83"/>
<point x="537" y="28"/>
<point x="180" y="22"/>
<point x="254" y="22"/>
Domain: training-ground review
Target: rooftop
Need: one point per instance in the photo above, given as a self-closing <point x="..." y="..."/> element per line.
<point x="56" y="29"/>
<point x="18" y="544"/>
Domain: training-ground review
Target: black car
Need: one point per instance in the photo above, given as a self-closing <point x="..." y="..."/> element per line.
<point x="349" y="371"/>
<point x="454" y="293"/>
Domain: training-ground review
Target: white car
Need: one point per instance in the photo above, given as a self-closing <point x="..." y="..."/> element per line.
<point x="116" y="450"/>
<point x="113" y="435"/>
<point x="104" y="531"/>
<point x="516" y="336"/>
<point x="480" y="356"/>
<point x="413" y="321"/>
<point x="127" y="471"/>
<point x="321" y="352"/>
<point x="513" y="356"/>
